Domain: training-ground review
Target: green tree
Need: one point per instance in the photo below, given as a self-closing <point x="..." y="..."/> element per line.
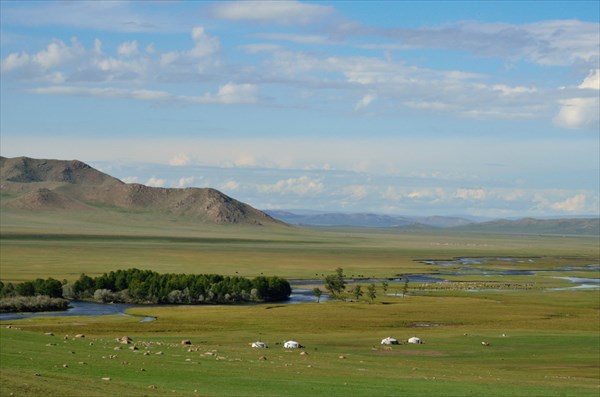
<point x="405" y="287"/>
<point x="317" y="292"/>
<point x="357" y="292"/>
<point x="26" y="288"/>
<point x="51" y="288"/>
<point x="335" y="283"/>
<point x="371" y="292"/>
<point x="384" y="286"/>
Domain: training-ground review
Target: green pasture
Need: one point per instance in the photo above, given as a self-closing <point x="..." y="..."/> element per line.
<point x="286" y="252"/>
<point x="539" y="345"/>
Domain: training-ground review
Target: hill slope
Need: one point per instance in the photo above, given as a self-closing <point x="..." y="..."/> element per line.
<point x="59" y="185"/>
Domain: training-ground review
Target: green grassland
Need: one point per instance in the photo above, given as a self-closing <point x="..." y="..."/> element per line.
<point x="285" y="251"/>
<point x="550" y="345"/>
<point x="548" y="349"/>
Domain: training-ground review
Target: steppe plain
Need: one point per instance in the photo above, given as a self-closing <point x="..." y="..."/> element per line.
<point x="542" y="339"/>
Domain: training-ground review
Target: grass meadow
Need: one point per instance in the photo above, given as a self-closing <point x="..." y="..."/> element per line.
<point x="541" y="342"/>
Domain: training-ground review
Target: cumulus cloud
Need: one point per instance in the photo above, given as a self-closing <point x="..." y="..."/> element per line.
<point x="205" y="46"/>
<point x="185" y="181"/>
<point x="572" y="204"/>
<point x="235" y="93"/>
<point x="576" y="113"/>
<point x="131" y="179"/>
<point x="592" y="81"/>
<point x="155" y="182"/>
<point x="57" y="53"/>
<point x="301" y="186"/>
<point x="78" y="64"/>
<point x="15" y="61"/>
<point x="179" y="160"/>
<point x="282" y="12"/>
<point x="128" y="48"/>
<point x="581" y="112"/>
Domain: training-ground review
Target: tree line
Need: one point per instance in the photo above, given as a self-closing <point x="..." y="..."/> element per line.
<point x="146" y="286"/>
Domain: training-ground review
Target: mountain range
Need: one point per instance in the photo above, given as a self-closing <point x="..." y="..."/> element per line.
<point x="365" y="219"/>
<point x="570" y="226"/>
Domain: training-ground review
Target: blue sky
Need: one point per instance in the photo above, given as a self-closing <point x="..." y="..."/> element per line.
<point x="416" y="108"/>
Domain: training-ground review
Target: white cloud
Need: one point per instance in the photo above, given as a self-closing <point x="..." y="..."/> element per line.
<point x="592" y="81"/>
<point x="301" y="186"/>
<point x="58" y="53"/>
<point x="356" y="192"/>
<point x="471" y="194"/>
<point x="245" y="160"/>
<point x="97" y="46"/>
<point x="572" y="204"/>
<point x="581" y="112"/>
<point x="130" y="179"/>
<point x="365" y="101"/>
<point x="15" y="61"/>
<point x="578" y="113"/>
<point x="128" y="48"/>
<point x="236" y="93"/>
<point x="185" y="181"/>
<point x="179" y="160"/>
<point x="556" y="42"/>
<point x="205" y="49"/>
<point x="228" y="94"/>
<point x="155" y="182"/>
<point x="108" y="92"/>
<point x="282" y="12"/>
<point x="205" y="44"/>
<point x="230" y="185"/>
<point x="506" y="90"/>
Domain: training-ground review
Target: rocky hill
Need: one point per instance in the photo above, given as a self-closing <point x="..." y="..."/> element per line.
<point x="60" y="185"/>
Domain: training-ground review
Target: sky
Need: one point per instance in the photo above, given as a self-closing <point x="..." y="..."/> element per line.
<point x="484" y="108"/>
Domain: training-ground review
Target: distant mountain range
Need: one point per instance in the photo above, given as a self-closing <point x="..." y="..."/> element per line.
<point x="37" y="185"/>
<point x="366" y="220"/>
<point x="572" y="226"/>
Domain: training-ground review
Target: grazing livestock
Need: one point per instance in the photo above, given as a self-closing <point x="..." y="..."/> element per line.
<point x="292" y="344"/>
<point x="389" y="341"/>
<point x="415" y="340"/>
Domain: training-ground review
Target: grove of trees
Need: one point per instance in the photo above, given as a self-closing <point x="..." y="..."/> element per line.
<point x="145" y="286"/>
